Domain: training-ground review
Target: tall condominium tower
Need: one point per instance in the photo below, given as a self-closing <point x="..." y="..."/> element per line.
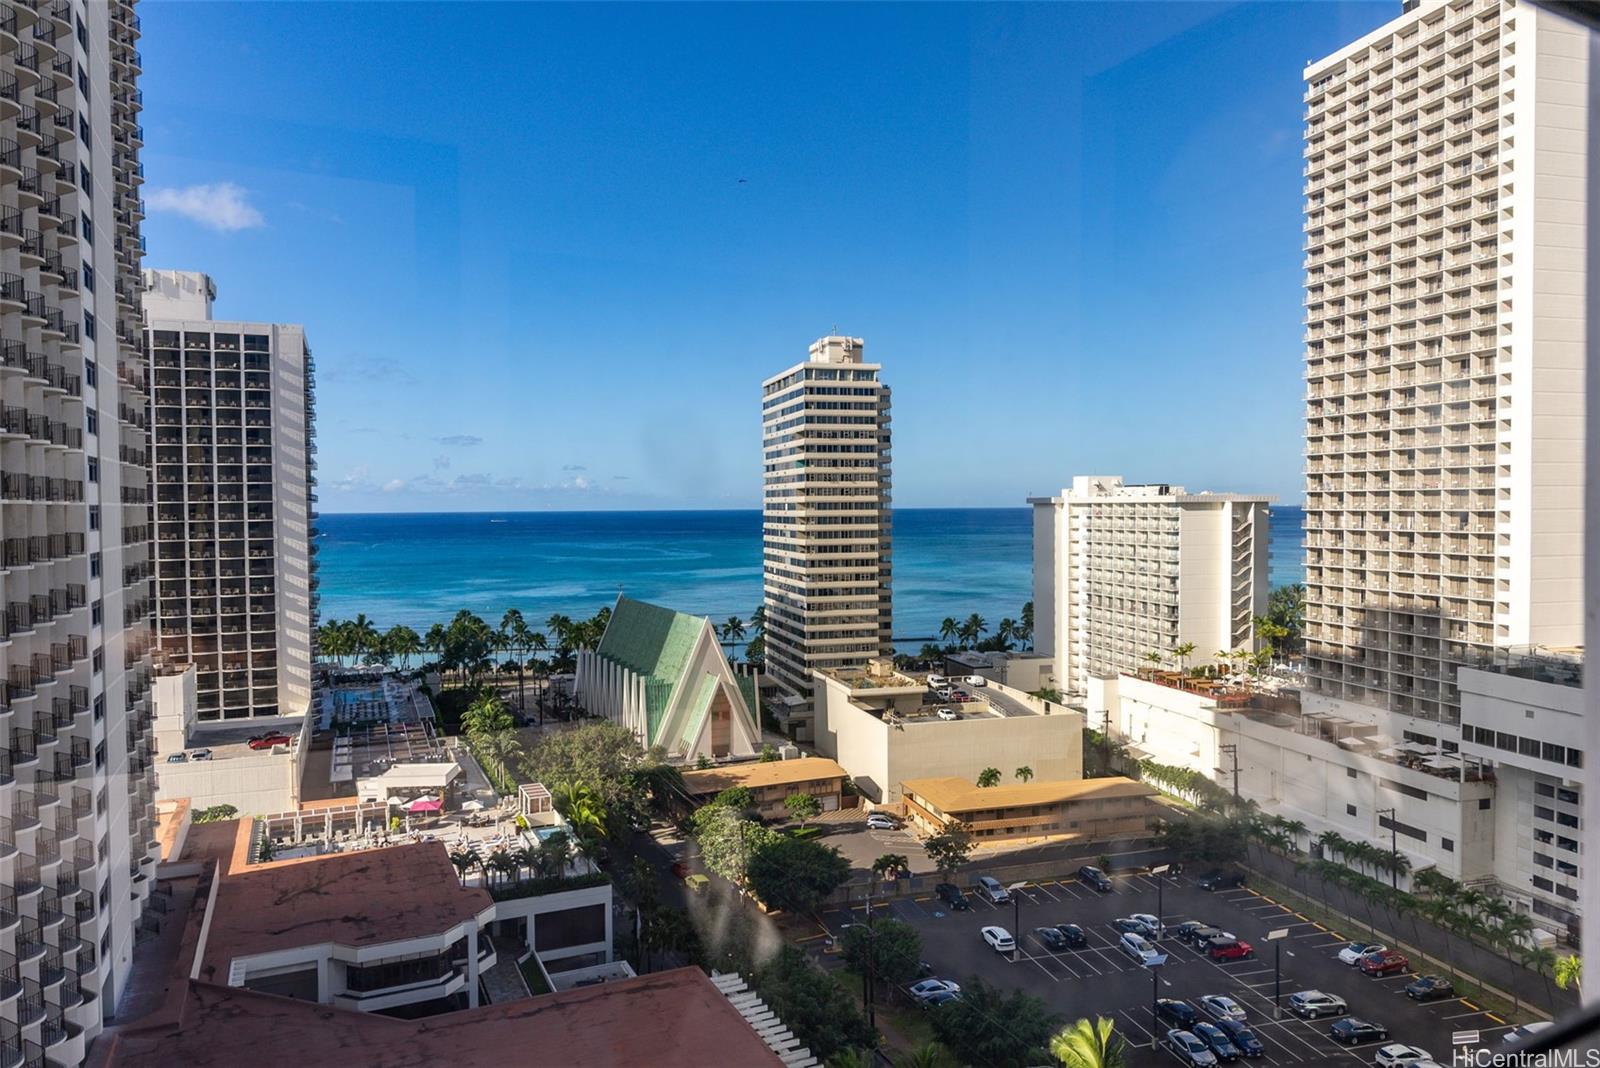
<point x="1444" y="218"/>
<point x="1122" y="571"/>
<point x="825" y="520"/>
<point x="77" y="837"/>
<point x="232" y="406"/>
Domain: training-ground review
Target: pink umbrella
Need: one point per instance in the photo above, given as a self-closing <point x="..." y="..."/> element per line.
<point x="425" y="804"/>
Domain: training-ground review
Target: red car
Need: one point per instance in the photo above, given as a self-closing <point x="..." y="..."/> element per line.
<point x="680" y="870"/>
<point x="1229" y="949"/>
<point x="267" y="741"/>
<point x="1386" y="963"/>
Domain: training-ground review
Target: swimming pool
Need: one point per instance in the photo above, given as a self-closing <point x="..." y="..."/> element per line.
<point x="351" y="697"/>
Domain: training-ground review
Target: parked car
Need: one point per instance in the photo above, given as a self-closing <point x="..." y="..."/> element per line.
<point x="944" y="693"/>
<point x="990" y="888"/>
<point x="1398" y="1054"/>
<point x="1310" y="1004"/>
<point x="1094" y="877"/>
<point x="1135" y="946"/>
<point x="178" y="758"/>
<point x="975" y="680"/>
<point x="1184" y="932"/>
<point x="935" y="681"/>
<point x="1527" y="1030"/>
<point x="1128" y="923"/>
<point x="267" y="741"/>
<point x="1216" y="1041"/>
<point x="961" y="695"/>
<point x="1353" y="1031"/>
<point x="1352" y="952"/>
<point x="882" y="821"/>
<point x="1050" y="938"/>
<point x="1152" y="924"/>
<point x="1243" y="1039"/>
<point x="999" y="939"/>
<point x="697" y="883"/>
<point x="1189" y="1049"/>
<point x="948" y="714"/>
<point x="200" y="754"/>
<point x="1386" y="963"/>
<point x="1221" y="1007"/>
<point x="935" y="1000"/>
<point x="928" y="987"/>
<point x="680" y="870"/>
<point x="1201" y="936"/>
<point x="1221" y="880"/>
<point x="1430" y="988"/>
<point x="951" y="895"/>
<point x="1229" y="949"/>
<point x="1073" y="935"/>
<point x="1175" y="1013"/>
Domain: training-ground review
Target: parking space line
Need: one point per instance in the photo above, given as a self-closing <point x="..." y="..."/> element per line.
<point x="1493" y="1017"/>
<point x="1040" y="887"/>
<point x="1468" y="1004"/>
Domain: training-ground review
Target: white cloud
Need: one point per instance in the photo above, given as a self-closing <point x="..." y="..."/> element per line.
<point x="394" y="485"/>
<point x="221" y="206"/>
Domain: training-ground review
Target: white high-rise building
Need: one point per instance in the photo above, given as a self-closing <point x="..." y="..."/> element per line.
<point x="1444" y="217"/>
<point x="1122" y="571"/>
<point x="232" y="411"/>
<point x="825" y="520"/>
<point x="78" y="844"/>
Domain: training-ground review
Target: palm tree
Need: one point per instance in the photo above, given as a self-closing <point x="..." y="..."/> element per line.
<point x="1024" y="773"/>
<point x="515" y="636"/>
<point x="973" y="629"/>
<point x="989" y="777"/>
<point x="1025" y="630"/>
<point x="853" y="1058"/>
<point x="1090" y="1044"/>
<point x="949" y="630"/>
<point x="733" y="632"/>
<point x="1569" y="972"/>
<point x="1182" y="653"/>
<point x="1005" y="632"/>
<point x="363" y="635"/>
<point x="538" y="643"/>
<point x="928" y="1055"/>
<point x="500" y="749"/>
<point x="1294" y="829"/>
<point x="501" y="862"/>
<point x="1155" y="660"/>
<point x="400" y="640"/>
<point x="1542" y="960"/>
<point x="463" y="862"/>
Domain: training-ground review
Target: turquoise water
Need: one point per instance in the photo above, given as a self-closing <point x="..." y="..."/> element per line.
<point x="421" y="569"/>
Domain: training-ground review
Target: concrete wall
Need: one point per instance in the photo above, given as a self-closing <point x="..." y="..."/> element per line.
<point x="258" y="783"/>
<point x="880" y="756"/>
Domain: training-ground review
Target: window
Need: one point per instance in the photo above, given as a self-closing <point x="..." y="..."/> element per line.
<point x="94" y="517"/>
<point x="1570" y="845"/>
<point x="83" y="35"/>
<point x="83" y="83"/>
<point x="1574" y="758"/>
<point x="100" y="754"/>
<point x="88" y="229"/>
<point x="91" y="421"/>
<point x="98" y="661"/>
<point x="1447" y="844"/>
<point x="1485" y="802"/>
<point x="1554" y="753"/>
<point x="1544" y="789"/>
<point x="1528" y="747"/>
<point x="91" y="370"/>
<point x="1566" y="819"/>
<point x="88" y="324"/>
<point x="1403" y="828"/>
<point x="1568" y="797"/>
<point x="1542" y="813"/>
<point x="83" y="130"/>
<point x="1505" y="741"/>
<point x="1543" y="836"/>
<point x="88" y="277"/>
<point x="97" y="612"/>
<point x="1349" y="810"/>
<point x="86" y="180"/>
<point x="1350" y="773"/>
<point x="100" y="714"/>
<point x="94" y="565"/>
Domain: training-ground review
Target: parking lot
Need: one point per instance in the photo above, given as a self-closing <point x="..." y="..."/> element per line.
<point x="1100" y="979"/>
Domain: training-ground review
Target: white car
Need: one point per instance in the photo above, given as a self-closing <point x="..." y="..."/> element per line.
<point x="944" y="693"/>
<point x="975" y="680"/>
<point x="1136" y="947"/>
<point x="879" y="822"/>
<point x="1152" y="924"/>
<point x="1396" y="1054"/>
<point x="1000" y="939"/>
<point x="929" y="987"/>
<point x="1527" y="1030"/>
<point x="936" y="681"/>
<point x="948" y="713"/>
<point x="1356" y="952"/>
<point x="1222" y="1007"/>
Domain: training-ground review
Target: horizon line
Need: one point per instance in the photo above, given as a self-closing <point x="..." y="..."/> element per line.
<point x="629" y="511"/>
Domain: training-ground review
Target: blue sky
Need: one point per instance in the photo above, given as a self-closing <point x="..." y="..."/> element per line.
<point x="533" y="278"/>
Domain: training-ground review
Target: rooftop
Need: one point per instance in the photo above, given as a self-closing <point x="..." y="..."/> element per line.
<point x="350" y="899"/>
<point x="1560" y="665"/>
<point x="756" y="774"/>
<point x="954" y="795"/>
<point x="671" y="1019"/>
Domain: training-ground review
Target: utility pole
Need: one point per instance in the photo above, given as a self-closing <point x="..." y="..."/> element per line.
<point x="1276" y="938"/>
<point x="1394" y="845"/>
<point x="1233" y="752"/>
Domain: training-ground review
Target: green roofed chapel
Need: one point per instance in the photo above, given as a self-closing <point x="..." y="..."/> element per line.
<point x="663" y="674"/>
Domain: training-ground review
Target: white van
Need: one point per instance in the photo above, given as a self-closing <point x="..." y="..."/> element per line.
<point x="976" y="680"/>
<point x="936" y="681"/>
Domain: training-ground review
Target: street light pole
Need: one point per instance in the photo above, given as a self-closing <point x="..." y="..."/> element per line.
<point x="1233" y="752"/>
<point x="1276" y="938"/>
<point x="1159" y="873"/>
<point x="1394" y="845"/>
<point x="1015" y="890"/>
<point x="1155" y="985"/>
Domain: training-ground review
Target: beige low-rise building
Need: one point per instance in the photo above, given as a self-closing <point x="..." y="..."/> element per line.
<point x="1088" y="810"/>
<point x="772" y="782"/>
<point x="885" y="727"/>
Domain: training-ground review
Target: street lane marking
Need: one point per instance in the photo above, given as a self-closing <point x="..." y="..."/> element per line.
<point x="1468" y="1004"/>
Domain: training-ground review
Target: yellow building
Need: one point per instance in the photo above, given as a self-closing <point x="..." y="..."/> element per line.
<point x="1092" y="810"/>
<point x="771" y="782"/>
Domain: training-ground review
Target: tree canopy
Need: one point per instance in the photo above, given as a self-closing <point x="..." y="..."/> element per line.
<point x="795" y="874"/>
<point x="949" y="850"/>
<point x="995" y="1028"/>
<point x="891" y="948"/>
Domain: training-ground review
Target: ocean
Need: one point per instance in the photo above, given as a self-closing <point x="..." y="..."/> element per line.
<point x="421" y="569"/>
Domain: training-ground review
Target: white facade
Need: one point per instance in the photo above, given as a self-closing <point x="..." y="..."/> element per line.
<point x="77" y="789"/>
<point x="1330" y="775"/>
<point x="1120" y="571"/>
<point x="825" y="520"/>
<point x="233" y="426"/>
<point x="1526" y="717"/>
<point x="1445" y="279"/>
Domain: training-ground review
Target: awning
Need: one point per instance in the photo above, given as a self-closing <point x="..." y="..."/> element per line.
<point x="472" y="805"/>
<point x="425" y="804"/>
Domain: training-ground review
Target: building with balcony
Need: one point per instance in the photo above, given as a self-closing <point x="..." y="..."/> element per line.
<point x="771" y="782"/>
<point x="825" y="522"/>
<point x="1522" y="714"/>
<point x="1121" y="571"/>
<point x="1081" y="810"/>
<point x="232" y="407"/>
<point x="1445" y="194"/>
<point x="885" y="726"/>
<point x="77" y="817"/>
<point x="663" y="675"/>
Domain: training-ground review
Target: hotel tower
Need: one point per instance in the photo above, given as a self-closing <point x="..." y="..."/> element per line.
<point x="825" y="521"/>
<point x="78" y="843"/>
